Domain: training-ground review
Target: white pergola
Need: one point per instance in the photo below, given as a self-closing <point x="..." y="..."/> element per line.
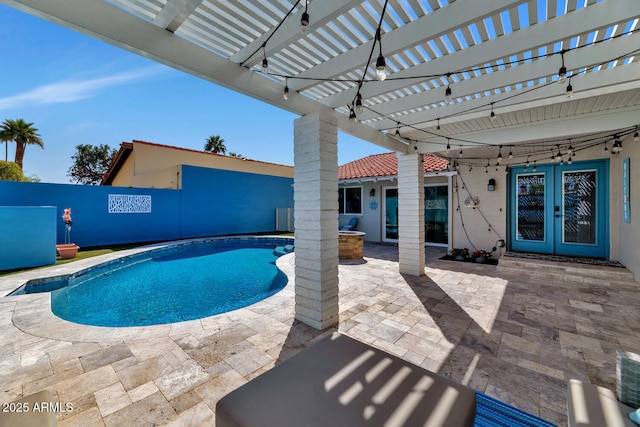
<point x="500" y="55"/>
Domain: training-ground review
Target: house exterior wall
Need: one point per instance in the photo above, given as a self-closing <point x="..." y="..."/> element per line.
<point x="493" y="205"/>
<point x="628" y="252"/>
<point x="371" y="221"/>
<point x="156" y="166"/>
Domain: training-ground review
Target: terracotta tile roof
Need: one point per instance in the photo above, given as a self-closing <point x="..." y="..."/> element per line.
<point x="385" y="164"/>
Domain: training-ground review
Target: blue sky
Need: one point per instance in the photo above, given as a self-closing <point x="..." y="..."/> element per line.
<point x="78" y="90"/>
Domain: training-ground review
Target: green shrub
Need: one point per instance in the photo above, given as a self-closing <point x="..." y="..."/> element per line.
<point x="9" y="171"/>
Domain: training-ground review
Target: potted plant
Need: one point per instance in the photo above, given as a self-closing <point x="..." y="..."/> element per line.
<point x="480" y="255"/>
<point x="67" y="250"/>
<point x="459" y="254"/>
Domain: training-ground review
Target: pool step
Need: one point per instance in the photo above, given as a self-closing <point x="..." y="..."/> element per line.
<point x="283" y="250"/>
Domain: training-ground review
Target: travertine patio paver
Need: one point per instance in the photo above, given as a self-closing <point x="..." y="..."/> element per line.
<point x="515" y="336"/>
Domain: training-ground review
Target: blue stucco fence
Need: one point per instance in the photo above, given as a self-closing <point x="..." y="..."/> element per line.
<point x="211" y="202"/>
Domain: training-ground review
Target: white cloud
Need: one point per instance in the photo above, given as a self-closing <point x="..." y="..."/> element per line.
<point x="75" y="89"/>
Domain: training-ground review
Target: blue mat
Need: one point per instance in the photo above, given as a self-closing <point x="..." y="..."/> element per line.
<point x="493" y="413"/>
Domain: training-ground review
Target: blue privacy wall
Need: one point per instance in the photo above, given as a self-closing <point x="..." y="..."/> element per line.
<point x="28" y="237"/>
<point x="219" y="202"/>
<point x="93" y="225"/>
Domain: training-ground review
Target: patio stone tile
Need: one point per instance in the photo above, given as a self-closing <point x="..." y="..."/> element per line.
<point x="87" y="383"/>
<point x="143" y="372"/>
<point x="152" y="410"/>
<point x="104" y="357"/>
<point x="218" y="387"/>
<point x="196" y="416"/>
<point x="111" y="399"/>
<point x="249" y="360"/>
<point x="180" y="381"/>
<point x="88" y="418"/>
<point x="185" y="401"/>
<point x="142" y="391"/>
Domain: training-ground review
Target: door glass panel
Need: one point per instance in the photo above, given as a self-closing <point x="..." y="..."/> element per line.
<point x="436" y="214"/>
<point x="530" y="207"/>
<point x="391" y="204"/>
<point x="579" y="203"/>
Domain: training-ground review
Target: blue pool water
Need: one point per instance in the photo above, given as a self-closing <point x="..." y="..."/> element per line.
<point x="172" y="286"/>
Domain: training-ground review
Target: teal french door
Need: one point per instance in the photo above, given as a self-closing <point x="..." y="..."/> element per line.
<point x="560" y="209"/>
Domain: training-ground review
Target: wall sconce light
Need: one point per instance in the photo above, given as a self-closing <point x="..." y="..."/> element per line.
<point x="492" y="185"/>
<point x="372" y="193"/>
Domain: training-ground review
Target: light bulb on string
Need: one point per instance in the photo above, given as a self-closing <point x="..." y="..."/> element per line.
<point x="359" y="106"/>
<point x="510" y="154"/>
<point x="397" y="129"/>
<point x="448" y="146"/>
<point x="528" y="163"/>
<point x="285" y="94"/>
<point x="352" y="115"/>
<point x="500" y="154"/>
<point x="605" y="150"/>
<point x="438" y="127"/>
<point x="569" y="89"/>
<point x="460" y="153"/>
<point x="492" y="116"/>
<point x="304" y="20"/>
<point x="636" y="137"/>
<point x="570" y="149"/>
<point x="265" y="63"/>
<point x="506" y="170"/>
<point x="534" y="166"/>
<point x="562" y="72"/>
<point x="447" y="92"/>
<point x="381" y="64"/>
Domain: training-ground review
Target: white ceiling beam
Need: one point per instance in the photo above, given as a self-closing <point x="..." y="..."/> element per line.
<point x="545" y="33"/>
<point x="603" y="82"/>
<point x="423" y="29"/>
<point x="320" y="12"/>
<point x="585" y="57"/>
<point x="174" y="13"/>
<point x="113" y="25"/>
<point x="602" y="121"/>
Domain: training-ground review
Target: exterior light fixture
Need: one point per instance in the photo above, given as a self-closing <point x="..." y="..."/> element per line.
<point x="491" y="186"/>
<point x="372" y="193"/>
<point x="381" y="64"/>
<point x="562" y="72"/>
<point x="359" y="106"/>
<point x="381" y="68"/>
<point x="569" y="89"/>
<point x="304" y="20"/>
<point x="352" y="115"/>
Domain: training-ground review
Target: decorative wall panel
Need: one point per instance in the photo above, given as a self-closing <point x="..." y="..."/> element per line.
<point x="129" y="203"/>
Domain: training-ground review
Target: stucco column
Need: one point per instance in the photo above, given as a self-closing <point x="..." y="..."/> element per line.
<point x="316" y="219"/>
<point x="411" y="214"/>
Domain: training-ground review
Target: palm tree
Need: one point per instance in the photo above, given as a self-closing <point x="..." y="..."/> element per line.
<point x="22" y="133"/>
<point x="215" y="145"/>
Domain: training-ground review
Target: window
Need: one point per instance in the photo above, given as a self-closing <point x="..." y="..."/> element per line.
<point x="350" y="200"/>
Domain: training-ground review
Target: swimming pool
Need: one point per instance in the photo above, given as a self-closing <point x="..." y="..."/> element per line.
<point x="173" y="284"/>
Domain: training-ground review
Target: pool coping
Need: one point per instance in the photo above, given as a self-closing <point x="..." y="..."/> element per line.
<point x="32" y="312"/>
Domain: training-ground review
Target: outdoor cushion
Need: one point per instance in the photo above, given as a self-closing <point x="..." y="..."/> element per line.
<point x="591" y="405"/>
<point x="28" y="412"/>
<point x="340" y="381"/>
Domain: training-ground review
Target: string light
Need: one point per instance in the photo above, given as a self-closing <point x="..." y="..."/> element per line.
<point x="534" y="166"/>
<point x="506" y="170"/>
<point x="438" y="127"/>
<point x="285" y="94"/>
<point x="460" y="153"/>
<point x="636" y="137"/>
<point x="562" y="72"/>
<point x="359" y="106"/>
<point x="381" y="64"/>
<point x="398" y="130"/>
<point x="493" y="115"/>
<point x="304" y="20"/>
<point x="265" y="63"/>
<point x="500" y="154"/>
<point x="447" y="92"/>
<point x="569" y="89"/>
<point x="448" y="146"/>
<point x="510" y="154"/>
<point x="352" y="115"/>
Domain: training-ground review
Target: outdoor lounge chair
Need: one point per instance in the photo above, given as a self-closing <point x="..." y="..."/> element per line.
<point x="350" y="226"/>
<point x="339" y="381"/>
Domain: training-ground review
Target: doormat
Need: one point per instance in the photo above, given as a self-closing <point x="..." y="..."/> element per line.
<point x="489" y="261"/>
<point x="564" y="258"/>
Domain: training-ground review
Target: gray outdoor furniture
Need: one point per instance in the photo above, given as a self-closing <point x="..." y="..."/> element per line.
<point x="340" y="381"/>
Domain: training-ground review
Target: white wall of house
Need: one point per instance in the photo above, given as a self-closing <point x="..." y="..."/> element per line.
<point x="628" y="245"/>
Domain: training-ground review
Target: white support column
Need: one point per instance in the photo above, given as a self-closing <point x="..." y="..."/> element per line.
<point x="411" y="214"/>
<point x="316" y="219"/>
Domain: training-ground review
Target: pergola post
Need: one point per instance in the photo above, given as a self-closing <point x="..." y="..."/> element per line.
<point x="316" y="219"/>
<point x="411" y="214"/>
